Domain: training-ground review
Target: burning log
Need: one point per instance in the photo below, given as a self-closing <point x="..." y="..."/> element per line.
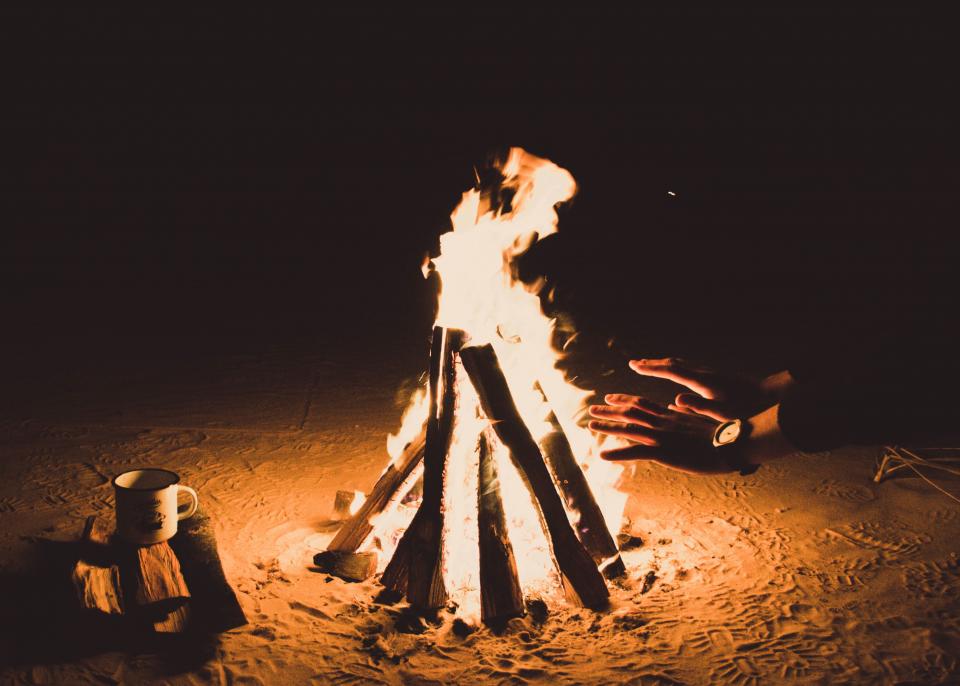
<point x="575" y="563"/>
<point x="500" y="595"/>
<point x="416" y="567"/>
<point x="591" y="527"/>
<point x="356" y="529"/>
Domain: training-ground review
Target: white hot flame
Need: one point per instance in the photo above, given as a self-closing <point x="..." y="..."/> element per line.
<point x="480" y="296"/>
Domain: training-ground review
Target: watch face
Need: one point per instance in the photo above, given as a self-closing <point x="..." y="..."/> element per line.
<point x="729" y="433"/>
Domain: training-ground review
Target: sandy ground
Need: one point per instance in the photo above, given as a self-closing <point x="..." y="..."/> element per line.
<point x="806" y="572"/>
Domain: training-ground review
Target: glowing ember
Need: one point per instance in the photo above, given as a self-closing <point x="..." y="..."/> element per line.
<point x="481" y="296"/>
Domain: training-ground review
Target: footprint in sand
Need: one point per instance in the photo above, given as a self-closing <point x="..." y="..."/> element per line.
<point x="716" y="639"/>
<point x="152" y="442"/>
<point x="11" y="504"/>
<point x="736" y="671"/>
<point x="853" y="493"/>
<point x="358" y="674"/>
<point x="892" y="539"/>
<point x="933" y="579"/>
<point x="945" y="516"/>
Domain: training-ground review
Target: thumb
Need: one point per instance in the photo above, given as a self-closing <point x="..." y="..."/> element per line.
<point x="709" y="408"/>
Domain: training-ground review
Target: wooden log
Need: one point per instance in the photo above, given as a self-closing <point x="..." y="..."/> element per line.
<point x="348" y="566"/>
<point x="397" y="571"/>
<point x="95" y="578"/>
<point x="590" y="526"/>
<point x="96" y="531"/>
<point x="175" y="622"/>
<point x="416" y="566"/>
<point x="98" y="588"/>
<point x="576" y="566"/>
<point x="356" y="529"/>
<point x="500" y="595"/>
<point x="213" y="605"/>
<point x="158" y="579"/>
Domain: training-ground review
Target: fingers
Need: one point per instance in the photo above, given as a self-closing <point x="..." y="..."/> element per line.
<point x="633" y="432"/>
<point x="676" y="370"/>
<point x="624" y="413"/>
<point x="689" y="402"/>
<point x="636" y="402"/>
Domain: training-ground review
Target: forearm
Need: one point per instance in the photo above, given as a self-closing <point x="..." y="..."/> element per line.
<point x="776" y="385"/>
<point x="766" y="441"/>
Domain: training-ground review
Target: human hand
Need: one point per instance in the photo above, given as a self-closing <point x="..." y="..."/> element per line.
<point x="715" y="394"/>
<point x="670" y="436"/>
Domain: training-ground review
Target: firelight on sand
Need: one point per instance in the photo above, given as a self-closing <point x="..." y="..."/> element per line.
<point x="481" y="296"/>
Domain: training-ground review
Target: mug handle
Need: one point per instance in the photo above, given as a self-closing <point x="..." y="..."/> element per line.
<point x="191" y="509"/>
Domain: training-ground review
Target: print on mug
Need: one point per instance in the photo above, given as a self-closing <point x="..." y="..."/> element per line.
<point x="147" y="510"/>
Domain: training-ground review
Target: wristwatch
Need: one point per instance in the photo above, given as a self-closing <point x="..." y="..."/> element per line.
<point x="730" y="436"/>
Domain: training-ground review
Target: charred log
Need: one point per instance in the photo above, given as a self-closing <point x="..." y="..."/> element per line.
<point x="416" y="566"/>
<point x="500" y="595"/>
<point x="591" y="527"/>
<point x="577" y="567"/>
<point x="356" y="529"/>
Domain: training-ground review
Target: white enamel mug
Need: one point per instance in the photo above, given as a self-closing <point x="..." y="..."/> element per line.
<point x="147" y="509"/>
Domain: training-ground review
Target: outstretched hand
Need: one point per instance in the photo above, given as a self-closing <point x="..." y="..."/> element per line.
<point x="670" y="436"/>
<point x="714" y="394"/>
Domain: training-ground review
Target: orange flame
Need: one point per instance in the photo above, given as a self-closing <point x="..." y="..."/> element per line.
<point x="481" y="296"/>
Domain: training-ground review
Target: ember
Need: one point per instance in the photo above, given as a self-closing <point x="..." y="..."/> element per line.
<point x="515" y="500"/>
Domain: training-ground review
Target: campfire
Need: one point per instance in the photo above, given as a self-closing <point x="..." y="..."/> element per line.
<point x="495" y="492"/>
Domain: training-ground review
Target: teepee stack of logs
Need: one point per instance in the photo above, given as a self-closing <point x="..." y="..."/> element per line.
<point x="549" y="470"/>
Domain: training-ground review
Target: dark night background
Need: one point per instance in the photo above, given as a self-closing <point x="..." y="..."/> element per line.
<point x="176" y="183"/>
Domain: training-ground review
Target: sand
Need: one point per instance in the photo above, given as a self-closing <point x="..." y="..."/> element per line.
<point x="806" y="572"/>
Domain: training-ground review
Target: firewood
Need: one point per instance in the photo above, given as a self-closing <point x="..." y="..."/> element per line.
<point x="396" y="574"/>
<point x="591" y="527"/>
<point x="175" y="622"/>
<point x="348" y="566"/>
<point x="500" y="595"/>
<point x="576" y="566"/>
<point x="356" y="529"/>
<point x="95" y="578"/>
<point x="397" y="571"/>
<point x="157" y="577"/>
<point x="213" y="603"/>
<point x="96" y="531"/>
<point x="417" y="566"/>
<point x="98" y="588"/>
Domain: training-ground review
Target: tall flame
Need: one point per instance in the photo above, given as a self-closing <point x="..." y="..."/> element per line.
<point x="480" y="295"/>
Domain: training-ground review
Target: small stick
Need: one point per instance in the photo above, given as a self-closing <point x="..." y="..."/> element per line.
<point x="356" y="529"/>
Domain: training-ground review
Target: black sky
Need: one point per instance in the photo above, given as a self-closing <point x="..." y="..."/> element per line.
<point x="209" y="166"/>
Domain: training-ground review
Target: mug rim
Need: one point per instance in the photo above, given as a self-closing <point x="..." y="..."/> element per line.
<point x="176" y="479"/>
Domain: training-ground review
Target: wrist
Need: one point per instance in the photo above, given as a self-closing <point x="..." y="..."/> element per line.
<point x="766" y="442"/>
<point x="776" y="385"/>
<point x="729" y="440"/>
